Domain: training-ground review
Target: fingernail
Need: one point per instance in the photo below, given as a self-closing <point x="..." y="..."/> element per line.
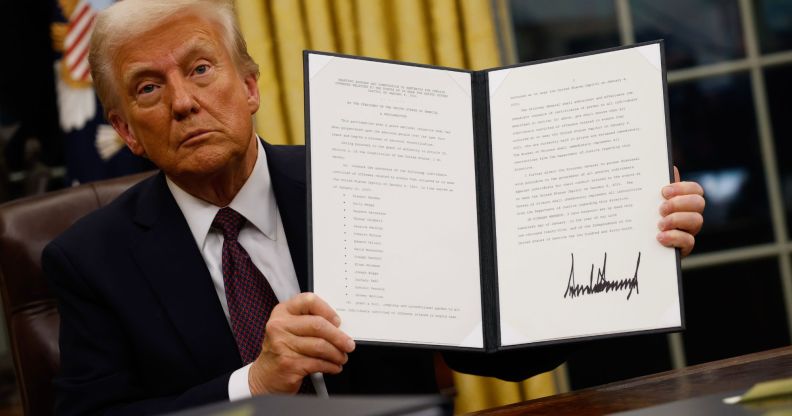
<point x="668" y="191"/>
<point x="661" y="224"/>
<point x="350" y="345"/>
<point x="661" y="237"/>
<point x="336" y="320"/>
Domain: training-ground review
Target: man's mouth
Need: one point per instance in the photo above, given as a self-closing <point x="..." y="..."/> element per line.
<point x="195" y="134"/>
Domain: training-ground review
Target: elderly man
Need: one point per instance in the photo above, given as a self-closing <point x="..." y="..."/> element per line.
<point x="165" y="294"/>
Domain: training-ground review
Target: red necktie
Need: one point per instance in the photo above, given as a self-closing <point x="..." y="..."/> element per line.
<point x="250" y="297"/>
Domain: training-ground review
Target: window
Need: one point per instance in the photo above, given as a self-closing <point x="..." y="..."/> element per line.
<point x="730" y="76"/>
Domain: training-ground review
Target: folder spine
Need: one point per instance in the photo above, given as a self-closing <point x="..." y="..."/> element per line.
<point x="486" y="212"/>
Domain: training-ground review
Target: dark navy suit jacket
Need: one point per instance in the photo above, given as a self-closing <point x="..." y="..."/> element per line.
<point x="142" y="329"/>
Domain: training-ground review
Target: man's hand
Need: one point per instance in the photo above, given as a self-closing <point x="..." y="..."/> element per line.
<point x="302" y="337"/>
<point x="681" y="212"/>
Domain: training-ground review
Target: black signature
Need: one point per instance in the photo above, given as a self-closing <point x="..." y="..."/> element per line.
<point x="602" y="284"/>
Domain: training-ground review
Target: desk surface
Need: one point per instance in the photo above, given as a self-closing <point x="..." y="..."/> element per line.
<point x="739" y="373"/>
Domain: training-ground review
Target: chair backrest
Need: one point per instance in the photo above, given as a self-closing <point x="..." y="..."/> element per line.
<point x="31" y="315"/>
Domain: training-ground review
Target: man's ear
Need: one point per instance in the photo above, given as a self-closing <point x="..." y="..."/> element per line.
<point x="122" y="128"/>
<point x="251" y="88"/>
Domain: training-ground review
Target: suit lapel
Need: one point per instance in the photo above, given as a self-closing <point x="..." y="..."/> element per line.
<point x="177" y="273"/>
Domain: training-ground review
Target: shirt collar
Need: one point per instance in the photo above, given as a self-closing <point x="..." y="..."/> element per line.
<point x="248" y="202"/>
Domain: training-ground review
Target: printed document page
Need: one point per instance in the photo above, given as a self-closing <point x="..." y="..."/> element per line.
<point x="395" y="239"/>
<point x="579" y="158"/>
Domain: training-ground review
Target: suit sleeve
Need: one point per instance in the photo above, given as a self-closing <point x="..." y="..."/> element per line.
<point x="97" y="367"/>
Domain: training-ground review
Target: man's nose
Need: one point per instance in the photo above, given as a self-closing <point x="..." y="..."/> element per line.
<point x="184" y="102"/>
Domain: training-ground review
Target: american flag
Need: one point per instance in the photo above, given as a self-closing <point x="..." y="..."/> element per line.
<point x="92" y="149"/>
<point x="76" y="43"/>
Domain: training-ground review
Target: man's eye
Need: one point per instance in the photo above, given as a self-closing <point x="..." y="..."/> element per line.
<point x="201" y="69"/>
<point x="147" y="89"/>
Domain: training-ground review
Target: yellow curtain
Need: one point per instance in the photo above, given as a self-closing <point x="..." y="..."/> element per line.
<point x="454" y="33"/>
<point x="477" y="393"/>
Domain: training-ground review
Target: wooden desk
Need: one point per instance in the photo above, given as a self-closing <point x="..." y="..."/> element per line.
<point x="738" y="373"/>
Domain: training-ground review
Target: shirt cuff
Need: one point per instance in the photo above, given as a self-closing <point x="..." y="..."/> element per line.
<point x="238" y="387"/>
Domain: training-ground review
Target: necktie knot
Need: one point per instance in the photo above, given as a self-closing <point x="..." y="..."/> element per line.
<point x="229" y="222"/>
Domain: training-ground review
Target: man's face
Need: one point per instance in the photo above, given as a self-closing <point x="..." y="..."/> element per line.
<point x="183" y="103"/>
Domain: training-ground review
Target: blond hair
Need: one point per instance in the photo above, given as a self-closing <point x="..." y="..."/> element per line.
<point x="127" y="19"/>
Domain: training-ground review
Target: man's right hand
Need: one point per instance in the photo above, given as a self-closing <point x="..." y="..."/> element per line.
<point x="302" y="337"/>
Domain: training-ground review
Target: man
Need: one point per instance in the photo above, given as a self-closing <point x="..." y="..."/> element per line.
<point x="163" y="297"/>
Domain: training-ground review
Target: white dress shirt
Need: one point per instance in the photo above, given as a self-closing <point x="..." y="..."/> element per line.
<point x="262" y="237"/>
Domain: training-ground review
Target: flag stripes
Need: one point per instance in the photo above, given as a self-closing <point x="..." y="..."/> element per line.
<point x="77" y="39"/>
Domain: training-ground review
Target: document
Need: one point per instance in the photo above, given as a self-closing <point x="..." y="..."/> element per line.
<point x="490" y="209"/>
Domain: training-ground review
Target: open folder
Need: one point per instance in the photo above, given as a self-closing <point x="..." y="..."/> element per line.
<point x="491" y="209"/>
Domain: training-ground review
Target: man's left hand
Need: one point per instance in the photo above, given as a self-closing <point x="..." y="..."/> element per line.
<point x="681" y="212"/>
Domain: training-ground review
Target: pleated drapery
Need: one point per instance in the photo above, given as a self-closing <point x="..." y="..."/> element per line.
<point x="454" y="33"/>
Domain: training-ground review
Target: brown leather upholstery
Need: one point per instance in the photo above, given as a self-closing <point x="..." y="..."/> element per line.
<point x="26" y="226"/>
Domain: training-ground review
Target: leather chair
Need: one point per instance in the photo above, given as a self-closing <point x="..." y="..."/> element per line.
<point x="31" y="315"/>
